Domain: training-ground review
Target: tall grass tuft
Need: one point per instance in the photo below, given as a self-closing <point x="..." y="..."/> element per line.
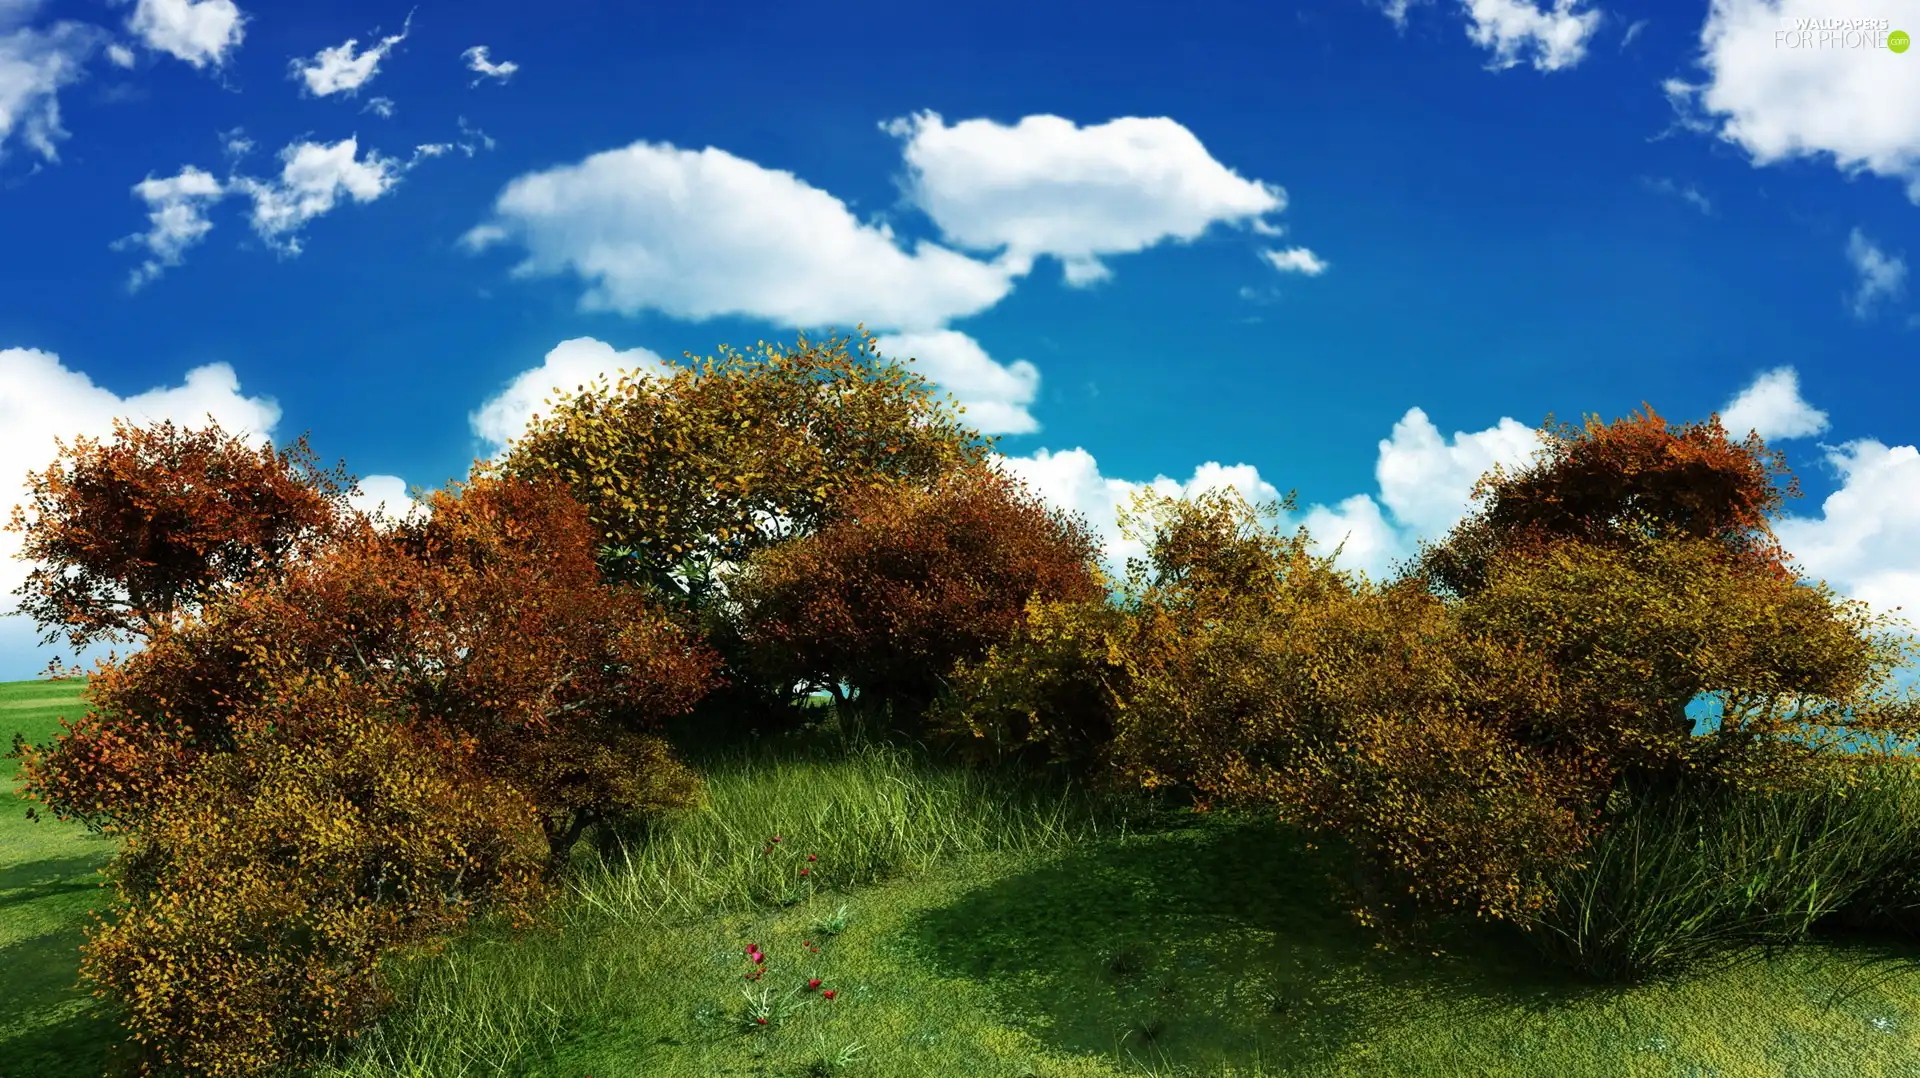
<point x="875" y="813"/>
<point x="1697" y="877"/>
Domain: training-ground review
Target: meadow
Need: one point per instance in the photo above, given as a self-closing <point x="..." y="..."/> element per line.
<point x="969" y="923"/>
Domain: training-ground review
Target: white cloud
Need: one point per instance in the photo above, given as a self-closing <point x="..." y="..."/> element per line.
<point x="314" y="178"/>
<point x="571" y="364"/>
<point x="200" y="32"/>
<point x="1881" y="277"/>
<point x="1295" y="260"/>
<point x="1517" y="31"/>
<point x="387" y="495"/>
<point x="343" y="70"/>
<point x="1866" y="542"/>
<point x="120" y="56"/>
<point x="1778" y="100"/>
<point x="1047" y="186"/>
<point x="995" y="395"/>
<point x="34" y="66"/>
<point x="382" y="107"/>
<point x="1425" y="483"/>
<point x="698" y="234"/>
<point x="176" y="218"/>
<point x="1773" y="408"/>
<point x="1633" y="31"/>
<point x="1361" y="534"/>
<point x="1071" y="480"/>
<point x="477" y="61"/>
<point x="40" y="400"/>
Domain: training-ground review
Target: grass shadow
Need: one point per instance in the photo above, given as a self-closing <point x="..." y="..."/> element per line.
<point x="50" y="870"/>
<point x="83" y="1044"/>
<point x="1213" y="942"/>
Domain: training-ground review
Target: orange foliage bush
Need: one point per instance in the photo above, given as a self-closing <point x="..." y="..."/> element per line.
<point x="906" y="581"/>
<point x="1606" y="482"/>
<point x="319" y="766"/>
<point x="131" y="532"/>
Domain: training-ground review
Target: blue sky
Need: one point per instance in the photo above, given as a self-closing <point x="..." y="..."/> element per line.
<point x="1358" y="249"/>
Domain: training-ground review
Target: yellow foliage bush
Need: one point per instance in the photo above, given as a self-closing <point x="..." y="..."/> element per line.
<point x="267" y="891"/>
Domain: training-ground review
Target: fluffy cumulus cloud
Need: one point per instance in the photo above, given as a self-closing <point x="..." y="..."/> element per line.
<point x="344" y="68"/>
<point x="483" y="65"/>
<point x="1779" y="95"/>
<point x="203" y="33"/>
<point x="1295" y="260"/>
<point x="1426" y="480"/>
<point x="35" y="65"/>
<point x="995" y="395"/>
<point x="570" y="365"/>
<point x="1550" y="37"/>
<point x="42" y="399"/>
<point x="1425" y="485"/>
<point x="1047" y="186"/>
<point x="1773" y="408"/>
<point x="698" y="234"/>
<point x="1879" y="277"/>
<point x="1866" y="540"/>
<point x="1071" y="479"/>
<point x="176" y="219"/>
<point x="387" y="498"/>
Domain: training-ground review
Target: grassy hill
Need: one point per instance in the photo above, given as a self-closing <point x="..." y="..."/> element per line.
<point x="48" y="882"/>
<point x="969" y="928"/>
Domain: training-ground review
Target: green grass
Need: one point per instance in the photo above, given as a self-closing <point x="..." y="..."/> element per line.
<point x="49" y="1026"/>
<point x="994" y="936"/>
<point x="974" y="927"/>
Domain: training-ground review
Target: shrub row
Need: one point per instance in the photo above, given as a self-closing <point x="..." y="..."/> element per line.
<point x="345" y="737"/>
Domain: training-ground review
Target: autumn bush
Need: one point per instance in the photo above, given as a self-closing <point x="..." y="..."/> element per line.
<point x="907" y="580"/>
<point x="1472" y="726"/>
<point x="689" y="471"/>
<point x="318" y="767"/>
<point x="131" y="532"/>
<point x="1048" y="695"/>
<point x="268" y="889"/>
